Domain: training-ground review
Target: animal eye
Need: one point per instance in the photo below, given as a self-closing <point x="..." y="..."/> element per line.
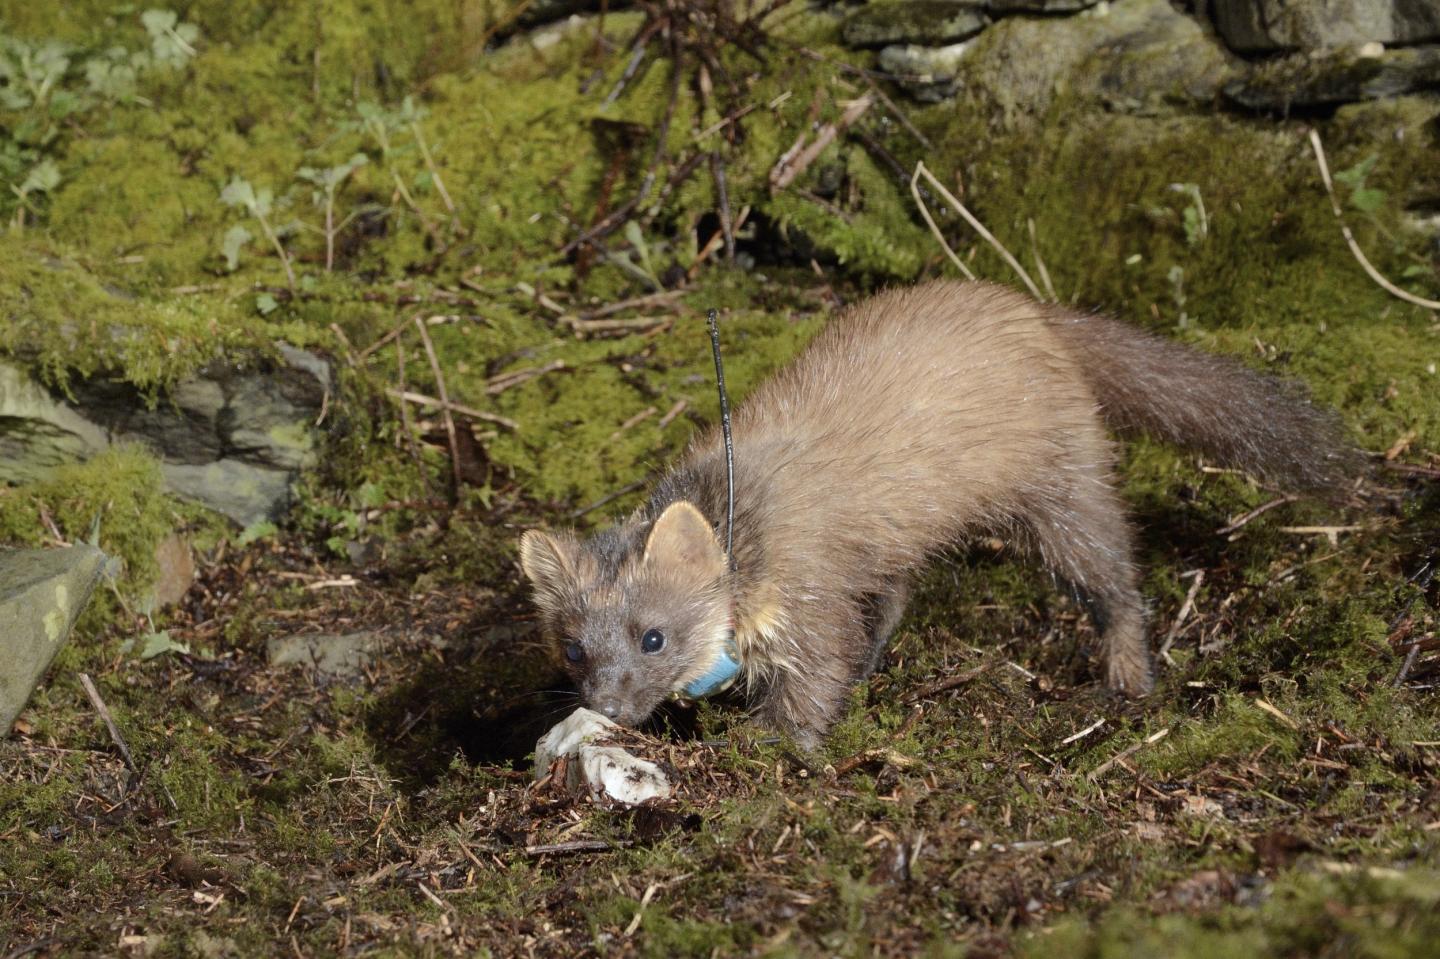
<point x="652" y="642"/>
<point x="574" y="653"/>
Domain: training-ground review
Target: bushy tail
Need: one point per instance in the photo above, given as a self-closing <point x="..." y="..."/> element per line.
<point x="1242" y="419"/>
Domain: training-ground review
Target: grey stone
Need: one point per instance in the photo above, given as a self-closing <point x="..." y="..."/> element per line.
<point x="1142" y="56"/>
<point x="339" y="654"/>
<point x="1341" y="76"/>
<point x="246" y="493"/>
<point x="42" y="592"/>
<point x="929" y="74"/>
<point x="1270" y="26"/>
<point x="913" y="21"/>
<point x="37" y="431"/>
<point x="231" y="437"/>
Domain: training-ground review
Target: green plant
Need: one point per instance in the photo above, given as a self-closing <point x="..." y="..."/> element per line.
<point x="1193" y="217"/>
<point x="259" y="204"/>
<point x="47" y="85"/>
<point x="327" y="181"/>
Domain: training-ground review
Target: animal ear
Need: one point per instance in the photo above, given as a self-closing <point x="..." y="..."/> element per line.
<point x="682" y="538"/>
<point x="549" y="561"/>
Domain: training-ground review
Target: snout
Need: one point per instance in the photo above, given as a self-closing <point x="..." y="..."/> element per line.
<point x="617" y="711"/>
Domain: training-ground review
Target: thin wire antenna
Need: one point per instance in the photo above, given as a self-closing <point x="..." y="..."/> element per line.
<point x="729" y="445"/>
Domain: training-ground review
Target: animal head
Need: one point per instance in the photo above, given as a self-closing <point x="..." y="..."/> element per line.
<point x="633" y="629"/>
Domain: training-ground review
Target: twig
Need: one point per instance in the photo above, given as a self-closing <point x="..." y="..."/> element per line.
<point x="1406" y="666"/>
<point x="635" y="420"/>
<point x="604" y="500"/>
<point x="714" y="243"/>
<point x="884" y="754"/>
<point x="578" y="845"/>
<point x="719" y="125"/>
<point x="673" y="412"/>
<point x="637" y="55"/>
<point x="823" y="203"/>
<point x="890" y="105"/>
<point x="650" y="891"/>
<point x="581" y="327"/>
<point x="109" y="721"/>
<point x="501" y="382"/>
<point x="388" y="337"/>
<point x="785" y="171"/>
<point x="635" y="303"/>
<point x="1040" y="261"/>
<point x="1277" y="714"/>
<point x="934" y="689"/>
<point x="1412" y="469"/>
<point x="420" y="399"/>
<point x="1260" y="510"/>
<point x="503" y="23"/>
<point x="1075" y="737"/>
<point x="445" y="413"/>
<point x="430" y="165"/>
<point x="1181" y="616"/>
<point x="717" y="168"/>
<point x="935" y="228"/>
<point x="1359" y="255"/>
<point x="1126" y="753"/>
<point x="1332" y="533"/>
<point x="1401" y="444"/>
<point x="979" y="227"/>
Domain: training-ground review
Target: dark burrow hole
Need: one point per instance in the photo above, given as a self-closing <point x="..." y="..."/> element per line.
<point x="490" y="709"/>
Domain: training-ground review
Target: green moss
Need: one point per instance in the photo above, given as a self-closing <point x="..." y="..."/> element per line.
<point x="65" y="321"/>
<point x="1373" y="912"/>
<point x="119" y="492"/>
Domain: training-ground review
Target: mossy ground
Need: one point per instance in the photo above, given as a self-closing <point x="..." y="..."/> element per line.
<point x="1276" y="797"/>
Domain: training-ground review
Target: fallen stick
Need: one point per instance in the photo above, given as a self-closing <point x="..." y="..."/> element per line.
<point x="1126" y="753"/>
<point x="445" y="412"/>
<point x="934" y="227"/>
<point x="1260" y="510"/>
<point x="978" y="227"/>
<point x="784" y="173"/>
<point x="1359" y="255"/>
<point x="109" y="721"/>
<point x="1181" y="616"/>
<point x="878" y="754"/>
<point x="503" y="381"/>
<point x="635" y="303"/>
<point x="578" y="845"/>
<point x="420" y="399"/>
<point x="948" y="684"/>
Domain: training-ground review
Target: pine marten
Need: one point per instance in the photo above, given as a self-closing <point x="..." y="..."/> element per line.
<point x="914" y="420"/>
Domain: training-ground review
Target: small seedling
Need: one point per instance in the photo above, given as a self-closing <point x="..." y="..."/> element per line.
<point x="381" y="125"/>
<point x="1193" y="218"/>
<point x="327" y="182"/>
<point x="1366" y="199"/>
<point x="259" y="204"/>
<point x="44" y="177"/>
<point x="172" y="42"/>
<point x="411" y="115"/>
<point x="235" y="239"/>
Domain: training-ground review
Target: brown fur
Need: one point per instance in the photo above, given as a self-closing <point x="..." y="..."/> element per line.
<point x="918" y="418"/>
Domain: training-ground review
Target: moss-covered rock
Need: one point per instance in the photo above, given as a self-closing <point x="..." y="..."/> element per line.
<point x="929" y="22"/>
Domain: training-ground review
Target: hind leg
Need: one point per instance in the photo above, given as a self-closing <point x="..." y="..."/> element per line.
<point x="884" y="613"/>
<point x="1085" y="538"/>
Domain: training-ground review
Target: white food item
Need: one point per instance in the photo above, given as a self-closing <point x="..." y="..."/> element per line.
<point x="607" y="769"/>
